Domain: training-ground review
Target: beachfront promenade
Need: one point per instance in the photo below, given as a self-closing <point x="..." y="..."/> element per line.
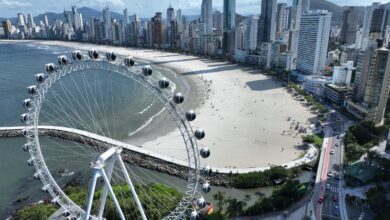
<point x="310" y="155"/>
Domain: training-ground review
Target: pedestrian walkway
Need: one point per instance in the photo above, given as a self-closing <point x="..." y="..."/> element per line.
<point x="309" y="156"/>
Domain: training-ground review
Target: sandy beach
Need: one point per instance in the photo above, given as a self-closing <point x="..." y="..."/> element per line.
<point x="249" y="118"/>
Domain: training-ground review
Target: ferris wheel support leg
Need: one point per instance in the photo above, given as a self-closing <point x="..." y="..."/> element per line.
<point x="131" y="186"/>
<point x="113" y="197"/>
<point x="96" y="175"/>
<point x="103" y="197"/>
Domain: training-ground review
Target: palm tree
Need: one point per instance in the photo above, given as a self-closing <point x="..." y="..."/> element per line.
<point x="220" y="198"/>
<point x="235" y="207"/>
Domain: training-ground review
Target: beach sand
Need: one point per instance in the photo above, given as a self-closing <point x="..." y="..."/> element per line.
<point x="245" y="114"/>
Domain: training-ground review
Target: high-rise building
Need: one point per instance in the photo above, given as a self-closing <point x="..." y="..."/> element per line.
<point x="282" y="16"/>
<point x="342" y="74"/>
<point x="229" y="25"/>
<point x="30" y="21"/>
<point x="170" y="14"/>
<point x="7" y="26"/>
<point x="169" y="34"/>
<point x="107" y="23"/>
<point x="305" y="5"/>
<point x="218" y="22"/>
<point x="379" y="22"/>
<point x="68" y="18"/>
<point x="350" y="25"/>
<point x="206" y="18"/>
<point x="376" y="18"/>
<point x="45" y="20"/>
<point x="295" y="21"/>
<point x="251" y="23"/>
<point x="157" y="29"/>
<point x="117" y="33"/>
<point x="21" y="20"/>
<point x="267" y="22"/>
<point x="371" y="103"/>
<point x="179" y="17"/>
<point x="363" y="60"/>
<point x="134" y="29"/>
<point x="229" y="15"/>
<point x="313" y="41"/>
<point x="125" y="26"/>
<point x="77" y="20"/>
<point x="125" y="17"/>
<point x="240" y="36"/>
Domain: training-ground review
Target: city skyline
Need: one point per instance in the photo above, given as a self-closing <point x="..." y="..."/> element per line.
<point x="8" y="8"/>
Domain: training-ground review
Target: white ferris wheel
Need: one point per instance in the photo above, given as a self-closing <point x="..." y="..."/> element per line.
<point x="73" y="123"/>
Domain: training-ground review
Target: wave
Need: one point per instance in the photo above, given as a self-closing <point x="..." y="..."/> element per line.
<point x="145" y="109"/>
<point x="146" y="123"/>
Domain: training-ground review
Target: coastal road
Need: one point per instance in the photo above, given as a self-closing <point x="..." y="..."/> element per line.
<point x="329" y="171"/>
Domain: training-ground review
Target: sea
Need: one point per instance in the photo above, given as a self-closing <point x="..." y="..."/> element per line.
<point x="19" y="62"/>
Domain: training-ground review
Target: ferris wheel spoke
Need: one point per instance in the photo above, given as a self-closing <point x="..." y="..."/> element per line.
<point x="48" y="115"/>
<point x="91" y="117"/>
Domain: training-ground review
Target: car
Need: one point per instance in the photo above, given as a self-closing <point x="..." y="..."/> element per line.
<point x="336" y="210"/>
<point x="330" y="174"/>
<point x="337" y="144"/>
<point x="321" y="199"/>
<point x="327" y="186"/>
<point x="338" y="136"/>
<point x="332" y="151"/>
<point x="334" y="198"/>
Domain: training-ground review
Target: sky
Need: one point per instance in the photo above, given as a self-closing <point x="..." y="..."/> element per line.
<point x="143" y="8"/>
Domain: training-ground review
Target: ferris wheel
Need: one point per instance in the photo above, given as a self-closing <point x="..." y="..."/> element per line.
<point x="75" y="124"/>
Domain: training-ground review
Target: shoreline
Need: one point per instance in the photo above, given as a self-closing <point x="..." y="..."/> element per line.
<point x="245" y="126"/>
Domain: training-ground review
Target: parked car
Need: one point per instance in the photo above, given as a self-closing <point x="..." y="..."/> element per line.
<point x="334" y="197"/>
<point x="332" y="151"/>
<point x="336" y="210"/>
<point x="327" y="186"/>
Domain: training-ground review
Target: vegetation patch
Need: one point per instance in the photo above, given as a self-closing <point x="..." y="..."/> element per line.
<point x="36" y="212"/>
<point x="360" y="138"/>
<point x="262" y="178"/>
<point x="168" y="199"/>
<point x="313" y="139"/>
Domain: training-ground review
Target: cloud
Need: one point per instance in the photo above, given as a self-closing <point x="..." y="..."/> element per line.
<point x="117" y="4"/>
<point x="11" y="4"/>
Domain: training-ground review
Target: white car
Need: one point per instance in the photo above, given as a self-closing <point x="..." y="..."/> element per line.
<point x="332" y="151"/>
<point x="327" y="186"/>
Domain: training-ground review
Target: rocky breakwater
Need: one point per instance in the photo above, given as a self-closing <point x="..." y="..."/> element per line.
<point x="130" y="156"/>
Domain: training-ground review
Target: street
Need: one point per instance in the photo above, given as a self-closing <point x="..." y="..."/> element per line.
<point x="326" y="196"/>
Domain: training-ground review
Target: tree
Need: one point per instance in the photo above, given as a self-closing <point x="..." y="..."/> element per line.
<point x="220" y="198"/>
<point x="235" y="207"/>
